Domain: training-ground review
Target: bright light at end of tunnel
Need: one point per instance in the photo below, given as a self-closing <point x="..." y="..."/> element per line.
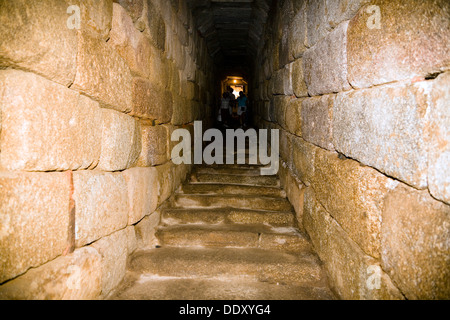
<point x="235" y="81"/>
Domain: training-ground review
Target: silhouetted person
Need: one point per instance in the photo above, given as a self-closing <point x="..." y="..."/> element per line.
<point x="242" y="102"/>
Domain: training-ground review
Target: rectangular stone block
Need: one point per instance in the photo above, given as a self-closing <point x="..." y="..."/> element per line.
<point x="101" y="205"/>
<point x="295" y="193"/>
<point x="388" y="41"/>
<point x="34" y="220"/>
<point x="279" y="105"/>
<point x="316" y="21"/>
<point x="146" y="231"/>
<point x="282" y="81"/>
<point x="325" y="64"/>
<point x="298" y="79"/>
<point x="297" y="31"/>
<point x="130" y="43"/>
<point x="133" y="7"/>
<point x="353" y="195"/>
<point x="156" y="27"/>
<point x="338" y="11"/>
<point x="45" y="126"/>
<point x="352" y="274"/>
<point x="159" y="69"/>
<point x="439" y="139"/>
<point x="73" y="277"/>
<point x="293" y="116"/>
<point x="317" y="119"/>
<point x="151" y="102"/>
<point x="113" y="250"/>
<point x="385" y="128"/>
<point x="303" y="159"/>
<point x="415" y="243"/>
<point x="121" y="141"/>
<point x="155" y="146"/>
<point x="132" y="243"/>
<point x="142" y="185"/>
<point x="35" y="37"/>
<point x="181" y="113"/>
<point x="102" y="73"/>
<point x="285" y="147"/>
<point x="165" y="181"/>
<point x="96" y="16"/>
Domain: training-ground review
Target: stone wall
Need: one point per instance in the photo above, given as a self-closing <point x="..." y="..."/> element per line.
<point x="360" y="91"/>
<point x="87" y="111"/>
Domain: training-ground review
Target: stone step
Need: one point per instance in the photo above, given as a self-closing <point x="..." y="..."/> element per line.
<point x="210" y="263"/>
<point x="231" y="201"/>
<point x="269" y="181"/>
<point x="233" y="236"/>
<point x="228" y="171"/>
<point x="173" y="216"/>
<point x="151" y="287"/>
<point x="207" y="188"/>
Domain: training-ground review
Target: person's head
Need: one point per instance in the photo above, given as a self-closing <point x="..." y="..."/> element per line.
<point x="241" y="94"/>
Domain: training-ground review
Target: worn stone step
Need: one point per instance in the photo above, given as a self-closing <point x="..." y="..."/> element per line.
<point x="251" y="171"/>
<point x="151" y="287"/>
<point x="270" y="181"/>
<point x="243" y="166"/>
<point x="173" y="216"/>
<point x="233" y="235"/>
<point x="206" y="188"/>
<point x="258" y="264"/>
<point x="231" y="201"/>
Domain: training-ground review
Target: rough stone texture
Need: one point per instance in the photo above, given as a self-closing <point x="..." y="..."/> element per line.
<point x="146" y="230"/>
<point x="338" y="11"/>
<point x="353" y="194"/>
<point x="294" y="191"/>
<point x="293" y="116"/>
<point x="282" y="81"/>
<point x="278" y="107"/>
<point x="35" y="37"/>
<point x="297" y="31"/>
<point x="96" y="16"/>
<point x="409" y="42"/>
<point x="325" y="64"/>
<point x="385" y="128"/>
<point x="316" y="21"/>
<point x="165" y="181"/>
<point x="101" y="205"/>
<point x="73" y="277"/>
<point x="130" y="43"/>
<point x="34" y="220"/>
<point x="155" y="146"/>
<point x="298" y="80"/>
<point x="151" y="102"/>
<point x="415" y="243"/>
<point x="132" y="243"/>
<point x="439" y="153"/>
<point x="121" y="141"/>
<point x="142" y="192"/>
<point x="317" y="118"/>
<point x="303" y="159"/>
<point x="133" y="7"/>
<point x="42" y="133"/>
<point x="156" y="27"/>
<point x="349" y="269"/>
<point x="102" y="73"/>
<point x="114" y="251"/>
<point x="159" y="70"/>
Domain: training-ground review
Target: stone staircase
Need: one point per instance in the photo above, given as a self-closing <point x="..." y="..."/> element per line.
<point x="227" y="234"/>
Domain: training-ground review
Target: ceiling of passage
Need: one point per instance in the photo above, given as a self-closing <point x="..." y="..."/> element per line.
<point x="232" y="28"/>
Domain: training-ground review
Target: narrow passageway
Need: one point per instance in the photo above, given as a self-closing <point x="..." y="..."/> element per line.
<point x="228" y="234"/>
<point x="114" y="118"/>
